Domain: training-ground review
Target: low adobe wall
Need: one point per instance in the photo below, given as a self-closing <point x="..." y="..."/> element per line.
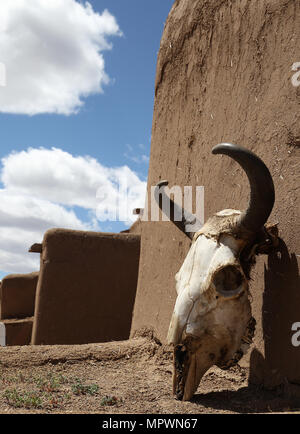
<point x="17" y="331"/>
<point x="87" y="287"/>
<point x="224" y="73"/>
<point x="17" y="295"/>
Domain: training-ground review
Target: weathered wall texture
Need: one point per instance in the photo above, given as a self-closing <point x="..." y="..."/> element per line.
<point x="86" y="288"/>
<point x="224" y="74"/>
<point x="17" y="295"/>
<point x="18" y="331"/>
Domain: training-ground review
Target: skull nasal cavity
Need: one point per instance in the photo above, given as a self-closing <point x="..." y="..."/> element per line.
<point x="228" y="280"/>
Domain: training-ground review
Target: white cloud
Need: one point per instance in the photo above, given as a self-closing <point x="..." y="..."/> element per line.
<point x="23" y="221"/>
<point x="59" y="177"/>
<point x="52" y="52"/>
<point x="41" y="187"/>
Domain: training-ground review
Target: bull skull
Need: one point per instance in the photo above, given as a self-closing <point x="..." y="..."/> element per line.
<point x="212" y="322"/>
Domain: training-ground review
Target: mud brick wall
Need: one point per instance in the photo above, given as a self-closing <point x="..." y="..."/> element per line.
<point x="17" y="331"/>
<point x="224" y="73"/>
<point x="17" y="295"/>
<point x="87" y="287"/>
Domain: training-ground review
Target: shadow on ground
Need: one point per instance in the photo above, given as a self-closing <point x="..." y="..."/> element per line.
<point x="249" y="399"/>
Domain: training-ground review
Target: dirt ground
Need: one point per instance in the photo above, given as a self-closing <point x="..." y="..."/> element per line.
<point x="132" y="376"/>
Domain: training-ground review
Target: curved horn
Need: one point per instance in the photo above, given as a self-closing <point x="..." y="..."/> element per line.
<point x="188" y="221"/>
<point x="262" y="195"/>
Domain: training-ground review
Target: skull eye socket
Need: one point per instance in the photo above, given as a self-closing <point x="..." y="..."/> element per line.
<point x="228" y="281"/>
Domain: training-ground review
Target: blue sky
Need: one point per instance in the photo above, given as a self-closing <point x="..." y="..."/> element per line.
<point x="53" y="118"/>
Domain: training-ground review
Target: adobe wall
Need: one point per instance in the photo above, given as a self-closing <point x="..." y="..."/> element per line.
<point x="86" y="288"/>
<point x="17" y="295"/>
<point x="224" y="74"/>
<point x="17" y="331"/>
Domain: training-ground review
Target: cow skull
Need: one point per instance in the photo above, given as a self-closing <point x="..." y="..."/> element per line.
<point x="212" y="322"/>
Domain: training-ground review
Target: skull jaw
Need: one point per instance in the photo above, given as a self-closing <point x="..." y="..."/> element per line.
<point x="189" y="368"/>
<point x="194" y="357"/>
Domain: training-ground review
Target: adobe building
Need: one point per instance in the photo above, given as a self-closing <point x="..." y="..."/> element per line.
<point x="17" y="300"/>
<point x="87" y="287"/>
<point x="83" y="293"/>
<point x="225" y="73"/>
